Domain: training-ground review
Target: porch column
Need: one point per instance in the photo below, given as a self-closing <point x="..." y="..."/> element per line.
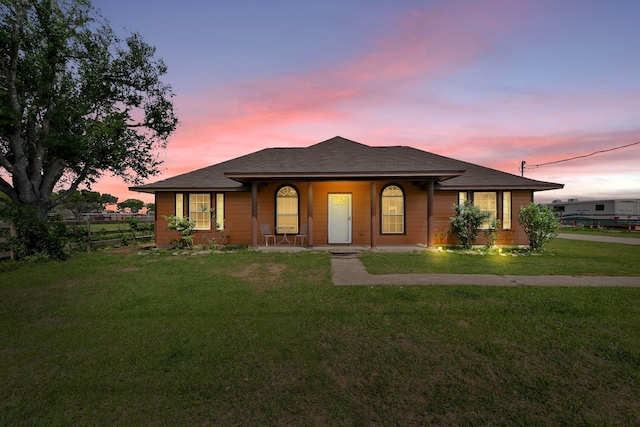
<point x="374" y="215"/>
<point x="430" y="187"/>
<point x="310" y="214"/>
<point x="254" y="214"/>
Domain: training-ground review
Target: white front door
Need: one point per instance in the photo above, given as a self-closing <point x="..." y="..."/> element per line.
<point x="339" y="218"/>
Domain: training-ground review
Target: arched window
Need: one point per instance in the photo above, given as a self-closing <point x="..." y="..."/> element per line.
<point x="287" y="210"/>
<point x="392" y="210"/>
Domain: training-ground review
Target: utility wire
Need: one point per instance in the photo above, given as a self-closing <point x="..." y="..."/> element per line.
<point x="524" y="164"/>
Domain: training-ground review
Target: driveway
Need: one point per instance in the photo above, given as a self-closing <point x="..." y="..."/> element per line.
<point x="604" y="239"/>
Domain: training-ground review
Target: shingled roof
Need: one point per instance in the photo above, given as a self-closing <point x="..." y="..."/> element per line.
<point x="340" y="158"/>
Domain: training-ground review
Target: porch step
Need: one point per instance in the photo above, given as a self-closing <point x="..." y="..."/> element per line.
<point x="343" y="253"/>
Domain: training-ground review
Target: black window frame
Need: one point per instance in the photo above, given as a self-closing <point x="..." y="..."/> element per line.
<point x="404" y="210"/>
<point x="275" y="209"/>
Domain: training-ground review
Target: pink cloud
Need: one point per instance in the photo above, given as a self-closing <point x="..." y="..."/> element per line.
<point x="424" y="44"/>
<point x="506" y="151"/>
<point x="218" y="124"/>
<point x="352" y="99"/>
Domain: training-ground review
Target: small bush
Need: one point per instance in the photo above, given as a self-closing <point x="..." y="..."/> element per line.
<point x="491" y="233"/>
<point x="134" y="224"/>
<point x="184" y="226"/>
<point x="539" y="223"/>
<point x="36" y="237"/>
<point x="467" y="222"/>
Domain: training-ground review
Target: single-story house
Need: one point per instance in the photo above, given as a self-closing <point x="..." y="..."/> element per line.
<point x="343" y="193"/>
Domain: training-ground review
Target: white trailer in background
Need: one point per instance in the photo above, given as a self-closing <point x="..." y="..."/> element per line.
<point x="619" y="213"/>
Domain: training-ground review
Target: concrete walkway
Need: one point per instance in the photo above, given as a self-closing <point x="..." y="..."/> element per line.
<point x="349" y="271"/>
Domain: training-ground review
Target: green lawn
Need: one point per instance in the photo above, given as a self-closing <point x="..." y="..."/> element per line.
<point x="558" y="257"/>
<point x="146" y="338"/>
<point x="601" y="232"/>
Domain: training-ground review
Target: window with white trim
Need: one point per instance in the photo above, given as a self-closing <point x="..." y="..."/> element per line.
<point x="462" y="197"/>
<point x="287" y="210"/>
<point x="220" y="211"/>
<point x="506" y="210"/>
<point x="392" y="210"/>
<point x="179" y="205"/>
<point x="486" y="201"/>
<point x="200" y="210"/>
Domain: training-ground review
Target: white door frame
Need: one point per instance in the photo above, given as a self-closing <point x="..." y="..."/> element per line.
<point x="340" y="226"/>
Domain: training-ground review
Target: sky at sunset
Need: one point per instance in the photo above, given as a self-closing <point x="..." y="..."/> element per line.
<point x="488" y="82"/>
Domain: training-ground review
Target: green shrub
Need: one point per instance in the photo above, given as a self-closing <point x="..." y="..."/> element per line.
<point x="539" y="223"/>
<point x="184" y="226"/>
<point x="35" y="237"/>
<point x="491" y="233"/>
<point x="134" y="224"/>
<point x="467" y="222"/>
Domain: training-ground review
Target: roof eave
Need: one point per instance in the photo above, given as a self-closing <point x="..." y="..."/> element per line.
<point x="500" y="187"/>
<point x="314" y="176"/>
<point x="153" y="190"/>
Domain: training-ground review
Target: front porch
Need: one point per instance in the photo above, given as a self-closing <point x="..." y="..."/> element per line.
<point x="341" y="249"/>
<point x="347" y="212"/>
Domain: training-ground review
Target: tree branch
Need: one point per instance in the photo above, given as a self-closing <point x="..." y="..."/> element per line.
<point x="72" y="188"/>
<point x="4" y="162"/>
<point x="7" y="189"/>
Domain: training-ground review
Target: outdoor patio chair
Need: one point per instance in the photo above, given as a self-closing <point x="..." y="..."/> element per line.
<point x="267" y="233"/>
<point x="302" y="234"/>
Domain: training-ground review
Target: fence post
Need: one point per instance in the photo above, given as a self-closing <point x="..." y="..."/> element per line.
<point x="88" y="225"/>
<point x="12" y="233"/>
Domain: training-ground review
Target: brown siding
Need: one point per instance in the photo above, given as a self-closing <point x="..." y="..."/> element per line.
<point x="165" y="206"/>
<point x="238" y="214"/>
<point x="361" y="218"/>
<point x="267" y="203"/>
<point x="415" y="201"/>
<point x="516" y="236"/>
<point x="442" y="211"/>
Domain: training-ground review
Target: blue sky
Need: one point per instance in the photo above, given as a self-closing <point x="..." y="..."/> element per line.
<point x="489" y="82"/>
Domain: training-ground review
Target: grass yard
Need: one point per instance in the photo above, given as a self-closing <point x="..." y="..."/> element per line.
<point x="146" y="338"/>
<point x="558" y="257"/>
<point x="600" y="232"/>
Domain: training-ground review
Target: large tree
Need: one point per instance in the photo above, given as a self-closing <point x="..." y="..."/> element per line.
<point x="134" y="205"/>
<point x="76" y="101"/>
<point x="84" y="201"/>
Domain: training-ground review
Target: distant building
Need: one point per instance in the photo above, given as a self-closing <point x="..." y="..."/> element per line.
<point x="604" y="213"/>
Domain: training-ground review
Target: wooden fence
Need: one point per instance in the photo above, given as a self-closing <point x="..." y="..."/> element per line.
<point x="629" y="225"/>
<point x="102" y="238"/>
<point x="96" y="238"/>
<point x="93" y="238"/>
<point x="3" y="230"/>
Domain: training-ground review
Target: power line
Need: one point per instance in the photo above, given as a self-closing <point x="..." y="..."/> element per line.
<point x="524" y="165"/>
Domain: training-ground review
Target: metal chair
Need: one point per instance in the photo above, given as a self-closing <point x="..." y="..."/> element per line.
<point x="267" y="233"/>
<point x="302" y="234"/>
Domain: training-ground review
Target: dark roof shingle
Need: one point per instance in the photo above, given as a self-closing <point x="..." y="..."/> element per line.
<point x="341" y="158"/>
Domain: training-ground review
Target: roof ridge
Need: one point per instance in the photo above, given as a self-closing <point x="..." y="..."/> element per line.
<point x="336" y="139"/>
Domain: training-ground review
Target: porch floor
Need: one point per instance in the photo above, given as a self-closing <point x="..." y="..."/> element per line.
<point x="341" y="248"/>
